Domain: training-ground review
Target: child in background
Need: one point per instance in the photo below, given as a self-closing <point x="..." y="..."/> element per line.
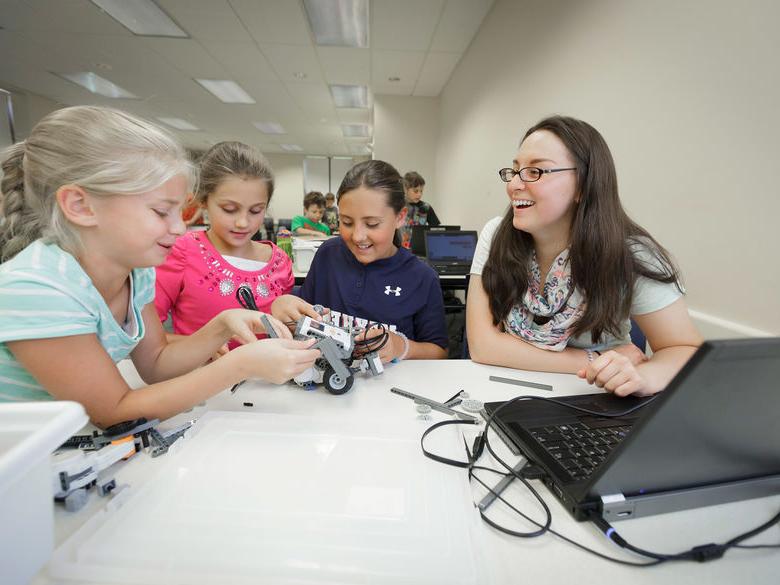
<point x="418" y="212"/>
<point x="200" y="277"/>
<point x="366" y="275"/>
<point x="92" y="201"/>
<point x="555" y="280"/>
<point x="309" y="224"/>
<point x="331" y="215"/>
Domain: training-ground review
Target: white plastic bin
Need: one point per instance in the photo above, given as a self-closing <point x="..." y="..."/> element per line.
<point x="303" y="251"/>
<point x="29" y="432"/>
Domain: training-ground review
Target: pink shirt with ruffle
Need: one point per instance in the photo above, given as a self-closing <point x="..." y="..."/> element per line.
<point x="196" y="283"/>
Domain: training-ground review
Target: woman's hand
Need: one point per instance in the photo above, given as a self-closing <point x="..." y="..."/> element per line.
<point x="277" y="360"/>
<point x="632" y="352"/>
<point x="243" y="325"/>
<point x="616" y="372"/>
<point x="289" y="308"/>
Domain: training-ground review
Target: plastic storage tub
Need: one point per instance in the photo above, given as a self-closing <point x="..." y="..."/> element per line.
<point x="303" y="252"/>
<point x="29" y="432"/>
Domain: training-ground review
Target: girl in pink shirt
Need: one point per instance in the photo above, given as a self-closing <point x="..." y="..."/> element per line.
<point x="201" y="275"/>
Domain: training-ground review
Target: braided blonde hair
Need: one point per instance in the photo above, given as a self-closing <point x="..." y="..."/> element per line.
<point x="102" y="150"/>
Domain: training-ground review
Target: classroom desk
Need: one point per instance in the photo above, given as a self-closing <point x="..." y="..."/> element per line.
<point x="546" y="559"/>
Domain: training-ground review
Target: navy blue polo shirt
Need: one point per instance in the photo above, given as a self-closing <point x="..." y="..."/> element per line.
<point x="400" y="290"/>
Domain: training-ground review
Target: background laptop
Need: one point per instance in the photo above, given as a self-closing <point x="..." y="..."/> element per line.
<point x="711" y="437"/>
<point x="450" y="252"/>
<point x="417" y="242"/>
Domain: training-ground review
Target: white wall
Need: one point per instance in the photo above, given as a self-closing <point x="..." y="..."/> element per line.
<point x="29" y="108"/>
<point x="405" y="135"/>
<point x="687" y="95"/>
<point x="287" y="200"/>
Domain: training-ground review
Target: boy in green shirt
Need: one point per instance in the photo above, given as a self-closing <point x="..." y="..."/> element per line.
<point x="309" y="223"/>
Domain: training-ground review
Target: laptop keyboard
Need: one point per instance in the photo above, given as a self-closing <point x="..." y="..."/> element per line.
<point x="578" y="447"/>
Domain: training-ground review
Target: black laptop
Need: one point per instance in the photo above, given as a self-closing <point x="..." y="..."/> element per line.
<point x="417" y="242"/>
<point x="450" y="252"/>
<point x="713" y="436"/>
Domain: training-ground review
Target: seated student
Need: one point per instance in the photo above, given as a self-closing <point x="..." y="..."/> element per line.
<point x="555" y="280"/>
<point x="309" y="223"/>
<point x="92" y="202"/>
<point x="418" y="212"/>
<point x="331" y="216"/>
<point x="364" y="274"/>
<point x="200" y="277"/>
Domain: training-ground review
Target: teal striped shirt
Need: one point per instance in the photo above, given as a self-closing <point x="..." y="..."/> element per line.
<point x="45" y="293"/>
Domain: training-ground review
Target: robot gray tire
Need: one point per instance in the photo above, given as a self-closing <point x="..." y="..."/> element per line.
<point x="334" y="383"/>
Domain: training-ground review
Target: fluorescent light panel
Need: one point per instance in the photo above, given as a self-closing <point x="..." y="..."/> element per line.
<point x="359" y="149"/>
<point x="270" y="128"/>
<point x="226" y="91"/>
<point x="354" y="130"/>
<point x="339" y="23"/>
<point x="349" y="96"/>
<point x="141" y="17"/>
<point x="291" y="147"/>
<point x="178" y="123"/>
<point x="96" y="84"/>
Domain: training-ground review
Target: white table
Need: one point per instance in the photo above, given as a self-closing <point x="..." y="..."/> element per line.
<point x="546" y="559"/>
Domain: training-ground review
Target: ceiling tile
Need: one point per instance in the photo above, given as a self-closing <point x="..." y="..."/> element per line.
<point x="403" y="64"/>
<point x="459" y="23"/>
<point x="435" y="72"/>
<point x="241" y="58"/>
<point x="212" y="25"/>
<point x="274" y="21"/>
<point x="288" y="60"/>
<point x="74" y="16"/>
<point x="187" y="56"/>
<point x="404" y="24"/>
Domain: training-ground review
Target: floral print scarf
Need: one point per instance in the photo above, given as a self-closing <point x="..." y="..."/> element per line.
<point x="546" y="316"/>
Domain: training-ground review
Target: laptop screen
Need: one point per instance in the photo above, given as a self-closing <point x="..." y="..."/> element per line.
<point x="451" y="246"/>
<point x="417" y="243"/>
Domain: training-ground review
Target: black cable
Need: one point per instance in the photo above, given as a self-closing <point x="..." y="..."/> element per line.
<point x="245" y="297"/>
<point x="700" y="553"/>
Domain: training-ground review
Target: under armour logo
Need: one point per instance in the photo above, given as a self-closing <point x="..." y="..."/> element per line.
<point x="396" y="291"/>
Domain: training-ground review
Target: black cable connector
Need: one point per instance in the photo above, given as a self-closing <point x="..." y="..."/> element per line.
<point x="708" y="552"/>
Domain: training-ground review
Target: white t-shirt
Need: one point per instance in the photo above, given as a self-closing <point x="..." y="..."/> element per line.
<point x="649" y="295"/>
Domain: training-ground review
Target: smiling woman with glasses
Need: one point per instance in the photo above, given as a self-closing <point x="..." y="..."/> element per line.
<point x="556" y="282"/>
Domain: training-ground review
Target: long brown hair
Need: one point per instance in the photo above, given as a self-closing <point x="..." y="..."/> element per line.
<point x="602" y="241"/>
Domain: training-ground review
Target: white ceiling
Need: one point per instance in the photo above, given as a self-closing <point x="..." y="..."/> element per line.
<point x="261" y="44"/>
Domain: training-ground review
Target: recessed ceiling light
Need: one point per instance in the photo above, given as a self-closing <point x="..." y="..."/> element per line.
<point x="354" y="130"/>
<point x="291" y="147"/>
<point x="340" y="23"/>
<point x="227" y="91"/>
<point x="96" y="84"/>
<point x="350" y="96"/>
<point x="393" y="79"/>
<point x="141" y="17"/>
<point x="178" y="123"/>
<point x="270" y="128"/>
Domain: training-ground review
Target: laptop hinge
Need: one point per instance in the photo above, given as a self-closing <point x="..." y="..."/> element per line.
<point x="616" y="507"/>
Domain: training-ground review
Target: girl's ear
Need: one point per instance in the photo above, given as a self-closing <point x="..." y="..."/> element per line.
<point x="400" y="219"/>
<point x="75" y="205"/>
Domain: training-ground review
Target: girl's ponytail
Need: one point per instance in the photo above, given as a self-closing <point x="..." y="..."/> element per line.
<point x="19" y="226"/>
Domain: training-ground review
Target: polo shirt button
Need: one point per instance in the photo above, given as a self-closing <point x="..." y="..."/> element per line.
<point x="358" y="284"/>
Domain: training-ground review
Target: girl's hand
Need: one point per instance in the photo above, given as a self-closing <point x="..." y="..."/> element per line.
<point x="632" y="352"/>
<point x="243" y="325"/>
<point x="615" y="372"/>
<point x="278" y="360"/>
<point x="391" y="350"/>
<point x="289" y="308"/>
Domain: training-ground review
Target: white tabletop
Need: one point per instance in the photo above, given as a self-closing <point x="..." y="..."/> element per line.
<point x="512" y="560"/>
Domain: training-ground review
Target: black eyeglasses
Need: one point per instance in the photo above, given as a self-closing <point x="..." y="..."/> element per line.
<point x="528" y="174"/>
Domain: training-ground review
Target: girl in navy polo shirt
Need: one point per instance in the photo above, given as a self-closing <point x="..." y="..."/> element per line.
<point x="366" y="274"/>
